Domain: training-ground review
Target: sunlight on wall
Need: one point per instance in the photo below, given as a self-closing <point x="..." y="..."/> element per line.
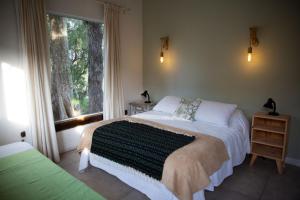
<point x="14" y="94"/>
<point x="79" y="129"/>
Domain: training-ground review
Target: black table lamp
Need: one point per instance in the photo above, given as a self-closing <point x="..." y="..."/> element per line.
<point x="271" y="104"/>
<point x="146" y="95"/>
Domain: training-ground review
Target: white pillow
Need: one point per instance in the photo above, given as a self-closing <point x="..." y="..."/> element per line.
<point x="215" y="112"/>
<point x="168" y="104"/>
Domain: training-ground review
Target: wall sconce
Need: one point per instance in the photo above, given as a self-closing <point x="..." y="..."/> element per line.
<point x="253" y="41"/>
<point x="164" y="45"/>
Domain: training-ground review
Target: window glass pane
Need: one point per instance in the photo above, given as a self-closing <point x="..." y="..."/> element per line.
<point x="76" y="58"/>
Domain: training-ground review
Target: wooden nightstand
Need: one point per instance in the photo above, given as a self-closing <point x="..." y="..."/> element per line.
<point x="269" y="137"/>
<point x="138" y="107"/>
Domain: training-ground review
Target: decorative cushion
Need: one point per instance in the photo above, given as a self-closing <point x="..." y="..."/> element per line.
<point x="168" y="104"/>
<point x="215" y="112"/>
<point x="187" y="109"/>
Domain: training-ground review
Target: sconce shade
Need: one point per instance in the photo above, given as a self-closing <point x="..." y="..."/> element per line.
<point x="253" y="41"/>
<point x="249" y="54"/>
<point x="271" y="104"/>
<point x="146" y="95"/>
<point x="161" y="57"/>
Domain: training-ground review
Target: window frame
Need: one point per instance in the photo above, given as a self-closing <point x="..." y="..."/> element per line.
<point x="61" y="125"/>
<point x="65" y="124"/>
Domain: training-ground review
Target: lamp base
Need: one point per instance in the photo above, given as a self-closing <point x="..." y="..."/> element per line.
<point x="147" y="101"/>
<point x="273" y="113"/>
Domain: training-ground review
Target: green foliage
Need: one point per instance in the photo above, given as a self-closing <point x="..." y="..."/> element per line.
<point x="78" y="54"/>
<point x="84" y="105"/>
<point x="77" y="35"/>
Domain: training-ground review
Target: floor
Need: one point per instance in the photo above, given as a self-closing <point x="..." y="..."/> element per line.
<point x="260" y="182"/>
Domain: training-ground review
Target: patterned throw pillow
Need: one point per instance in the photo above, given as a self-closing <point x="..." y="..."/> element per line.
<point x="187" y="109"/>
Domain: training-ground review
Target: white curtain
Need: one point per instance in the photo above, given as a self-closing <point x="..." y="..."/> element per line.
<point x="34" y="38"/>
<point x="113" y="102"/>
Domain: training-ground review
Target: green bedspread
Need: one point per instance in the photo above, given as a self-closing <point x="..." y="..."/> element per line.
<point x="30" y="175"/>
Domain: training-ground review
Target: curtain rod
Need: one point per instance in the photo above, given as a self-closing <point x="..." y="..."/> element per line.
<point x="124" y="9"/>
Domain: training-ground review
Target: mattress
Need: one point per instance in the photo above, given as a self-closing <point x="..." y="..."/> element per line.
<point x="13" y="148"/>
<point x="235" y="138"/>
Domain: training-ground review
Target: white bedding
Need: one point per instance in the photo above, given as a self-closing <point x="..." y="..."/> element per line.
<point x="13" y="148"/>
<point x="235" y="138"/>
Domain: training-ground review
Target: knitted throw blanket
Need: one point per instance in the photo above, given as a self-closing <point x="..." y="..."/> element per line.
<point x="142" y="147"/>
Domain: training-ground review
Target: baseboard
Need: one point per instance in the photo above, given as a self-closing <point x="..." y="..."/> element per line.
<point x="292" y="161"/>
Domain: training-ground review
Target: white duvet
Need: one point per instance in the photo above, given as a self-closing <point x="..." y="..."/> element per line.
<point x="235" y="138"/>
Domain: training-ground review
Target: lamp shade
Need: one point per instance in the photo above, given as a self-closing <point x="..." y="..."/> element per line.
<point x="271" y="104"/>
<point x="146" y="95"/>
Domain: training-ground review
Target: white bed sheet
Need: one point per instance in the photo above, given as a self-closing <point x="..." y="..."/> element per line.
<point x="13" y="148"/>
<point x="235" y="138"/>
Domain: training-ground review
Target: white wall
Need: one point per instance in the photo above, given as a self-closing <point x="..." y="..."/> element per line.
<point x="131" y="59"/>
<point x="84" y="9"/>
<point x="69" y="139"/>
<point x="131" y="27"/>
<point x="13" y="115"/>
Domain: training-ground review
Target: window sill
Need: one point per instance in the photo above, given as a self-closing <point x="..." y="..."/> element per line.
<point x="76" y="121"/>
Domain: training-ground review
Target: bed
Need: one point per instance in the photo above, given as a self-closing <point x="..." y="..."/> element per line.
<point x="27" y="174"/>
<point x="235" y="138"/>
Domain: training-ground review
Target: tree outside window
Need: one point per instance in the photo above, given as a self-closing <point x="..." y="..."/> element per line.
<point x="76" y="58"/>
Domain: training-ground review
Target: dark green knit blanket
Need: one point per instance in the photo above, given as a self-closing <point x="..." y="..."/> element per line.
<point x="136" y="145"/>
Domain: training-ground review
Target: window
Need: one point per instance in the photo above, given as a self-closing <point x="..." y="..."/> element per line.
<point x="76" y="58"/>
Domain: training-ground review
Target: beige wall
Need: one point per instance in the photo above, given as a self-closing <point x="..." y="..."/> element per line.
<point x="208" y="54"/>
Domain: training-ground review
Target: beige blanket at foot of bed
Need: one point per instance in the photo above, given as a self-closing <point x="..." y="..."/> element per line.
<point x="187" y="169"/>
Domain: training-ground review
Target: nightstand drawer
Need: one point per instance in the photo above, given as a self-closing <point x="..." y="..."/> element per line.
<point x="268" y="138"/>
<point x="269" y="124"/>
<point x="267" y="151"/>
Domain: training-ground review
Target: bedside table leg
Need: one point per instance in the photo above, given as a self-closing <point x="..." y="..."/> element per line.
<point x="253" y="160"/>
<point x="279" y="164"/>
